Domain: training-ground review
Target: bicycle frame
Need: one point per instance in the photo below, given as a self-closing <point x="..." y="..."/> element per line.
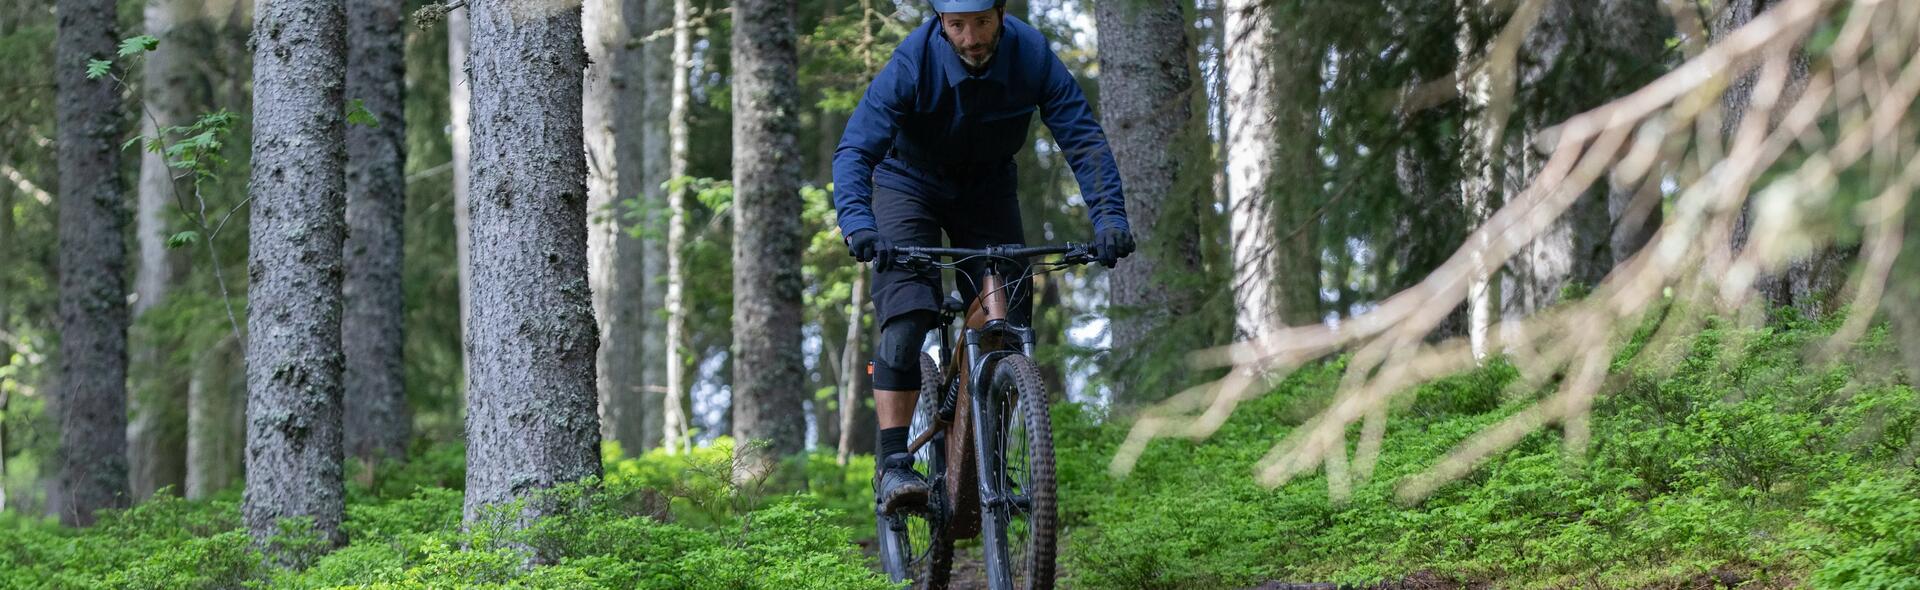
<point x="986" y="337"/>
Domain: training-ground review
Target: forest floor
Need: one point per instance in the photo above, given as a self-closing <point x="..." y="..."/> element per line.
<point x="1724" y="460"/>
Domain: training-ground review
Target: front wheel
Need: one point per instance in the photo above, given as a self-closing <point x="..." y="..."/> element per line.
<point x="1016" y="438"/>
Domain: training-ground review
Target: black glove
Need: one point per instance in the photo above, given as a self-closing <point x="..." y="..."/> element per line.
<point x="869" y="246"/>
<point x="1111" y="245"/>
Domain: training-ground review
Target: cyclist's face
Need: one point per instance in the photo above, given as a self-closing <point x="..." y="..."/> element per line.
<point x="972" y="34"/>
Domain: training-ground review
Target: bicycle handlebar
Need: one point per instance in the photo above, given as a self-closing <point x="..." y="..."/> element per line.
<point x="1076" y="253"/>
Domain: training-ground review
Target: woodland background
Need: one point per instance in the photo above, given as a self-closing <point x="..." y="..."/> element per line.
<point x="1295" y="170"/>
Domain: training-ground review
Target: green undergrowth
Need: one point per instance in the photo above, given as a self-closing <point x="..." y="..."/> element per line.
<point x="654" y="522"/>
<point x="1731" y="456"/>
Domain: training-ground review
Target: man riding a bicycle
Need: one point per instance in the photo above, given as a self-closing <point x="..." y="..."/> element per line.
<point x="929" y="150"/>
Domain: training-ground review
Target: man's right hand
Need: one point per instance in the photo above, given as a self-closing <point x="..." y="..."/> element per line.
<point x="869" y="246"/>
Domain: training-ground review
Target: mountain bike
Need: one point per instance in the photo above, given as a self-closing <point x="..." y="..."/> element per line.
<point x="981" y="433"/>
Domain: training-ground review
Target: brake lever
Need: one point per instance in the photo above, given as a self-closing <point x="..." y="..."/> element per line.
<point x="913" y="261"/>
<point x="1078" y="254"/>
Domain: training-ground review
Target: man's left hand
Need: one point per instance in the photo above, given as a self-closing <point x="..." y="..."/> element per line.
<point x="1111" y="245"/>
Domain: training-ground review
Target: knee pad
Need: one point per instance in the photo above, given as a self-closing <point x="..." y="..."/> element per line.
<point x="896" y="357"/>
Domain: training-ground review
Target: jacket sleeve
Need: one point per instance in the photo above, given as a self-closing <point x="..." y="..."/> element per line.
<point x="868" y="137"/>
<point x="1064" y="109"/>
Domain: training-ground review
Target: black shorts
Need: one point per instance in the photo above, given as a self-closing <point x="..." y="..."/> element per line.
<point x="972" y="213"/>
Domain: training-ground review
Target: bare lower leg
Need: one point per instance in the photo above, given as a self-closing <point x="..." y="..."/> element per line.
<point x="895" y="408"/>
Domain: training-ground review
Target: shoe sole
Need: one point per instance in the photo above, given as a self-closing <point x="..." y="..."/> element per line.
<point x="907" y="497"/>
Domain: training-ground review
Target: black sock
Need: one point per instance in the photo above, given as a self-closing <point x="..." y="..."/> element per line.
<point x="893" y="440"/>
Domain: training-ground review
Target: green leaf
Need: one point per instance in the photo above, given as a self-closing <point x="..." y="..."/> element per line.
<point x="138" y="45"/>
<point x="357" y="114"/>
<point x="98" y="67"/>
<point x="182" y="239"/>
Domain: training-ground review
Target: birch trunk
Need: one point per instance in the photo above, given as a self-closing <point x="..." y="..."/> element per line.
<point x="677" y="433"/>
<point x="1250" y="139"/>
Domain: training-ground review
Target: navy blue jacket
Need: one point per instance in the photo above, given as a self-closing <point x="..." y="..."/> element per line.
<point x="926" y="107"/>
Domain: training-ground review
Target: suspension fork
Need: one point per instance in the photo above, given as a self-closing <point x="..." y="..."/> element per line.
<point x="987" y="460"/>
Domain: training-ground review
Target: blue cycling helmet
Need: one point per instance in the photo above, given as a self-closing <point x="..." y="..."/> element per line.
<point x="947" y="6"/>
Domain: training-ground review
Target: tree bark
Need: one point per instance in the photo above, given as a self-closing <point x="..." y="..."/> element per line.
<point x="156" y="433"/>
<point x="531" y="419"/>
<point x="213" y="455"/>
<point x="767" y="370"/>
<point x="379" y="423"/>
<point x="1634" y="31"/>
<point x="294" y="358"/>
<point x="1619" y="41"/>
<point x="614" y="260"/>
<point x="1146" y="98"/>
<point x="1535" y="276"/>
<point x="677" y="429"/>
<point x="7" y="237"/>
<point x="460" y="131"/>
<point x="92" y="394"/>
<point x="850" y="369"/>
<point x="1485" y="80"/>
<point x="1810" y="284"/>
<point x="1251" y="94"/>
<point x="651" y="66"/>
<point x="1294" y="187"/>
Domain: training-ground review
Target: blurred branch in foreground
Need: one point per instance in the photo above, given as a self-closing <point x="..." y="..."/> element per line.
<point x="1820" y="157"/>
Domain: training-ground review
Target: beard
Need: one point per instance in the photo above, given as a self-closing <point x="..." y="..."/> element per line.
<point x="976" y="66"/>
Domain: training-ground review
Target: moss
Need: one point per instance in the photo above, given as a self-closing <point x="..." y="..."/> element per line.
<point x="1746" y="460"/>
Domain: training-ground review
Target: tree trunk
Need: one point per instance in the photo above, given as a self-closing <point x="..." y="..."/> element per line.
<point x="767" y="370"/>
<point x="1146" y="99"/>
<point x="531" y="419"/>
<point x="92" y="394"/>
<point x="677" y="429"/>
<point x="1485" y="80"/>
<point x="213" y="457"/>
<point x="651" y="67"/>
<point x="1538" y="272"/>
<point x="851" y="397"/>
<point x="1810" y="283"/>
<point x="825" y="409"/>
<point x="1621" y="39"/>
<point x="460" y="125"/>
<point x="379" y="423"/>
<point x="7" y="237"/>
<point x="1250" y="142"/>
<point x="156" y="434"/>
<point x="1635" y="31"/>
<point x="827" y="122"/>
<point x="1217" y="99"/>
<point x="294" y="357"/>
<point x="1293" y="188"/>
<point x="614" y="259"/>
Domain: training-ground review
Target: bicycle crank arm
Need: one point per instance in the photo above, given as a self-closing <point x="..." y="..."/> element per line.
<point x="925" y="437"/>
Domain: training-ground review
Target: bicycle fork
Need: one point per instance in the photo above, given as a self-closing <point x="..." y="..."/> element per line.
<point x="997" y="502"/>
